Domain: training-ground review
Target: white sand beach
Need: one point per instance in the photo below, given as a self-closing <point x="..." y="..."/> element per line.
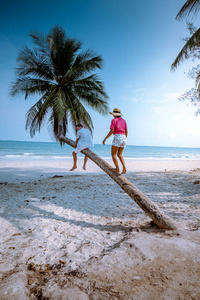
<point x="77" y="235"/>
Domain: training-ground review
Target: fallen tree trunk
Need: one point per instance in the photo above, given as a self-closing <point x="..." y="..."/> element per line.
<point x="150" y="208"/>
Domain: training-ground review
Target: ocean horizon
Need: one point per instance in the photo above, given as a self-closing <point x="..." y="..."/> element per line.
<point x="30" y="150"/>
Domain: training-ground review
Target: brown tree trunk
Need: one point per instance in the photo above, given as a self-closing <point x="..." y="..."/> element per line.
<point x="149" y="207"/>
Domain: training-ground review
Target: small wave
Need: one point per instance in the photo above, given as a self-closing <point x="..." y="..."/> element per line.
<point x="35" y="157"/>
<point x="11" y="156"/>
<point x="18" y="155"/>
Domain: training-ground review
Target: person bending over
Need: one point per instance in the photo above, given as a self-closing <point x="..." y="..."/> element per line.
<point x="83" y="141"/>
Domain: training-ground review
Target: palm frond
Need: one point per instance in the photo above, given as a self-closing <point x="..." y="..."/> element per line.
<point x="31" y="62"/>
<point x="59" y="104"/>
<point x="29" y="86"/>
<point x="93" y="94"/>
<point x="193" y="42"/>
<point x="192" y="97"/>
<point x="198" y="83"/>
<point x="70" y="51"/>
<point x="40" y="40"/>
<point x="57" y="128"/>
<point x="78" y="114"/>
<point x="91" y="81"/>
<point x="84" y="64"/>
<point x="32" y="120"/>
<point x="63" y="50"/>
<point x="191" y="6"/>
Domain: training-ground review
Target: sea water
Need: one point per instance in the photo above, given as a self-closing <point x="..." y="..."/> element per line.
<point x="12" y="150"/>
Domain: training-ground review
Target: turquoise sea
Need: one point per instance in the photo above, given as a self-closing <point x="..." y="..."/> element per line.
<point x="12" y="150"/>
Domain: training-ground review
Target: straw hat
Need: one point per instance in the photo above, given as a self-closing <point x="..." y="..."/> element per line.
<point x="116" y="112"/>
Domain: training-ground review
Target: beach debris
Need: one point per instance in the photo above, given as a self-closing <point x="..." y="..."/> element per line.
<point x="45" y="269"/>
<point x="197" y="182"/>
<point x="73" y="273"/>
<point x="15" y="234"/>
<point x="31" y="266"/>
<point x="62" y="262"/>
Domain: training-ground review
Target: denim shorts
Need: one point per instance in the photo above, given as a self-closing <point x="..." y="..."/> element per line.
<point x="119" y="140"/>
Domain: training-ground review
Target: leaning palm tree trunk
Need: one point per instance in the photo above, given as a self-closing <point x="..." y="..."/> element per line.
<point x="150" y="208"/>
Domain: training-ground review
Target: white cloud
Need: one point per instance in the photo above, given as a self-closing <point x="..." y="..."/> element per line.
<point x="161" y="95"/>
<point x="194" y="132"/>
<point x="135" y="100"/>
<point x="179" y="117"/>
<point x="159" y="110"/>
<point x="171" y="97"/>
<point x="173" y="135"/>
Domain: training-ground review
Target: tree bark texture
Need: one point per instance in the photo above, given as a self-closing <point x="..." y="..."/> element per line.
<point x="150" y="208"/>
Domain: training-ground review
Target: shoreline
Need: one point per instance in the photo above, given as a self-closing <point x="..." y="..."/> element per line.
<point x="26" y="169"/>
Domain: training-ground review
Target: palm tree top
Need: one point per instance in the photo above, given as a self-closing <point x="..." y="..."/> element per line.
<point x="63" y="75"/>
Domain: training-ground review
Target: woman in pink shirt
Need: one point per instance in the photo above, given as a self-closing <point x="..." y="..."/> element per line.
<point x="118" y="128"/>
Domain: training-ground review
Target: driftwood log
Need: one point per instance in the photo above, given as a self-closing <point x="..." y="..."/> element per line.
<point x="150" y="208"/>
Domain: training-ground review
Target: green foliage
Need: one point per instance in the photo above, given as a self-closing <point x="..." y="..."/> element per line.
<point x="190" y="7"/>
<point x="191" y="50"/>
<point x="62" y="74"/>
<point x="192" y="46"/>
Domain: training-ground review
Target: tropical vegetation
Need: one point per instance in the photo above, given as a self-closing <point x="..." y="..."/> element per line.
<point x="63" y="75"/>
<point x="191" y="50"/>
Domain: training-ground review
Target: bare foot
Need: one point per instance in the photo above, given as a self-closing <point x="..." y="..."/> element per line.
<point x="73" y="168"/>
<point x="115" y="170"/>
<point x="84" y="168"/>
<point x="124" y="171"/>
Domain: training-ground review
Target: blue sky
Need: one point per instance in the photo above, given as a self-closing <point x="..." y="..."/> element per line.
<point x="138" y="40"/>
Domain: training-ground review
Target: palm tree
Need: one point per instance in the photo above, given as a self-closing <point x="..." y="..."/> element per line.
<point x="151" y="209"/>
<point x="62" y="75"/>
<point x="191" y="6"/>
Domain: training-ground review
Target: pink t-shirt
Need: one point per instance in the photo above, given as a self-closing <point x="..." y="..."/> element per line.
<point x="119" y="125"/>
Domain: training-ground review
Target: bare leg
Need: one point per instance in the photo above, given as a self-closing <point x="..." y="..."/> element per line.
<point x="75" y="161"/>
<point x="85" y="161"/>
<point x="120" y="151"/>
<point x="114" y="158"/>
